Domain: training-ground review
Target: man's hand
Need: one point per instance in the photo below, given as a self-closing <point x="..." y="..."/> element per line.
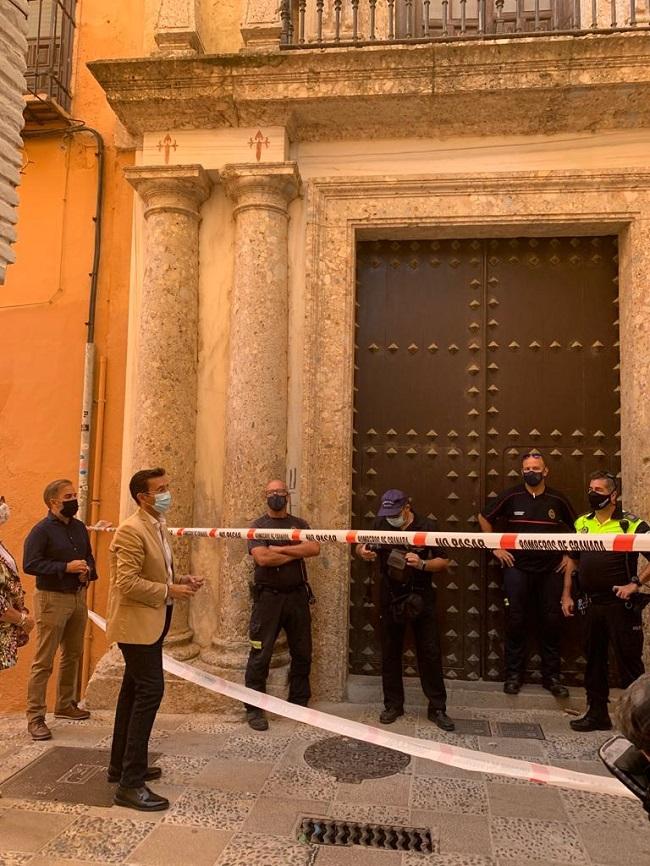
<point x="568" y="605"/>
<point x="100" y="525"/>
<point x="626" y="591"/>
<point x="364" y="553"/>
<point x="193" y="581"/>
<point x="414" y="561"/>
<point x="505" y="558"/>
<point x="180" y="591"/>
<point x="77" y="566"/>
<point x="28" y="624"/>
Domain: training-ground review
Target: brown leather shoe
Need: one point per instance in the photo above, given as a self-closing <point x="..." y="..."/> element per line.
<point x="38" y="730"/>
<point x="74" y="714"/>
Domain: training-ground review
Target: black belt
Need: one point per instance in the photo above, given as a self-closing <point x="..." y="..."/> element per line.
<point x="278" y="590"/>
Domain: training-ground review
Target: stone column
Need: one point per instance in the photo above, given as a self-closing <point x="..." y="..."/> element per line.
<point x="178" y="28"/>
<point x="261" y="25"/>
<point x="256" y="408"/>
<point x="167" y="347"/>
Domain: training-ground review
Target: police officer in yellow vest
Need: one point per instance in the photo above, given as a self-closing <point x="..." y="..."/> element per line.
<point x="608" y="586"/>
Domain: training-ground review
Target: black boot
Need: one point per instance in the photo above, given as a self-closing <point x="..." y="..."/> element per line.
<point x="512" y="686"/>
<point x="595" y="719"/>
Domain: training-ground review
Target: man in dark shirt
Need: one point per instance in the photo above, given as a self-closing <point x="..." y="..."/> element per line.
<point x="281" y="597"/>
<point x="407" y="595"/>
<point x="608" y="582"/>
<point x="532" y="579"/>
<point x="57" y="551"/>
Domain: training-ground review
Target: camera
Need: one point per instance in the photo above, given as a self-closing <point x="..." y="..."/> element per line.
<point x="630" y="766"/>
<point x="373" y="546"/>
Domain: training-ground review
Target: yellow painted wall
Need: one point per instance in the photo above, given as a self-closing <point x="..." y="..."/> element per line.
<point x="44" y="307"/>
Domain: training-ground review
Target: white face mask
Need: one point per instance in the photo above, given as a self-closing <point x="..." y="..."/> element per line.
<point x="398" y="521"/>
<point x="5" y="513"/>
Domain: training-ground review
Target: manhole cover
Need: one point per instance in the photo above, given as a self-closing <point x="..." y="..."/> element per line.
<point x="519" y="730"/>
<point x="64" y="775"/>
<point x="473" y="727"/>
<point x="350" y="760"/>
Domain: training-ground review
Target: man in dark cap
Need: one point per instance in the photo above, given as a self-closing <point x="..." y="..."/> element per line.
<point x="407" y="596"/>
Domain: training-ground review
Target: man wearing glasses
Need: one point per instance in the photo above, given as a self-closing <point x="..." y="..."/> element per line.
<point x="609" y="589"/>
<point x="532" y="580"/>
<point x="281" y="599"/>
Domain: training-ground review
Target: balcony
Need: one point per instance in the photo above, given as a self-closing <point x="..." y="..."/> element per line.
<point x="359" y="23"/>
<point x="50" y="41"/>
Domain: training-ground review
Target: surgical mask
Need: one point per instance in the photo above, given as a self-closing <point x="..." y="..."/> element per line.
<point x="276" y="502"/>
<point x="5" y="513"/>
<point x="397" y="522"/>
<point x="532" y="479"/>
<point x="162" y="501"/>
<point x="69" y="508"/>
<point x="598" y="500"/>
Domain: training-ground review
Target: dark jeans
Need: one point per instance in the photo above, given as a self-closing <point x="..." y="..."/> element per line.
<point x="272" y="611"/>
<point x="427" y="648"/>
<point x="538" y="595"/>
<point x="142" y="691"/>
<point x="623" y="627"/>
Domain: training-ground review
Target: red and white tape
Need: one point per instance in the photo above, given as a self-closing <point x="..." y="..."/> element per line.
<point x="443" y="753"/>
<point x="552" y="542"/>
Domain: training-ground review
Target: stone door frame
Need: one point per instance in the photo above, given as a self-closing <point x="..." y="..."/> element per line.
<point x="344" y="210"/>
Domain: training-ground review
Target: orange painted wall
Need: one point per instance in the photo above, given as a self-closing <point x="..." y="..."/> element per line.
<point x="44" y="307"/>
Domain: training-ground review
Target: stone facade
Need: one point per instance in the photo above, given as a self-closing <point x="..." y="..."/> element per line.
<point x="309" y="153"/>
<point x="13" y="48"/>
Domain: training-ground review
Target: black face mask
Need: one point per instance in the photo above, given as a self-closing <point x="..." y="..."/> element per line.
<point x="532" y="479"/>
<point x="276" y="502"/>
<point x="69" y="508"/>
<point x="598" y="500"/>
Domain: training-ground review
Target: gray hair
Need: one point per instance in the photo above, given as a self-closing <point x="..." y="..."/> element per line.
<point x="52" y="489"/>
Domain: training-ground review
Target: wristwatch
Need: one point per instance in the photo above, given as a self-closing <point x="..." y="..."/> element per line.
<point x="636" y="580"/>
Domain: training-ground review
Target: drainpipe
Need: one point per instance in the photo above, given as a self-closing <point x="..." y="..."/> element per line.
<point x="89" y="355"/>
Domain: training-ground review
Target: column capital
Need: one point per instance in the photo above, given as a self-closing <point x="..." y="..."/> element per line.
<point x="180" y="188"/>
<point x="269" y="186"/>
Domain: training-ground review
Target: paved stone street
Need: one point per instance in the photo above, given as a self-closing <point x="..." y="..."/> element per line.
<point x="238" y="797"/>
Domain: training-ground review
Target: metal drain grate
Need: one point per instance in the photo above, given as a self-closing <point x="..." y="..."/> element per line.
<point x="320" y="831"/>
<point x="519" y="730"/>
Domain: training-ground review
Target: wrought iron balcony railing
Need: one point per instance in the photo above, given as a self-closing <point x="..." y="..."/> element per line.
<point x="50" y="41"/>
<point x="330" y="23"/>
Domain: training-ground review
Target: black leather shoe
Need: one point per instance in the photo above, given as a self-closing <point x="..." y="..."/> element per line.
<point x="555" y="687"/>
<point x="390" y="715"/>
<point x="512" y="686"/>
<point x="152" y="773"/>
<point x="257" y="720"/>
<point x="141" y="799"/>
<point x="440" y="718"/>
<point x="591" y="722"/>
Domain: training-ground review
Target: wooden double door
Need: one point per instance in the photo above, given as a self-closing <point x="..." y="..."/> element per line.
<point x="470" y="352"/>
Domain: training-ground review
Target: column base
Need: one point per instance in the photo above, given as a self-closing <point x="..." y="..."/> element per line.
<point x="181" y="646"/>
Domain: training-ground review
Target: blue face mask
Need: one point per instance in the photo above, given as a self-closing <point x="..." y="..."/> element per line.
<point x="162" y="501"/>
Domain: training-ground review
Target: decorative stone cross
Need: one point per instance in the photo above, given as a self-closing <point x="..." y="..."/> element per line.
<point x="258" y="142"/>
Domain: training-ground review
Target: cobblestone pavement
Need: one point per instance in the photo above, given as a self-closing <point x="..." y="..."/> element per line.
<point x="238" y="796"/>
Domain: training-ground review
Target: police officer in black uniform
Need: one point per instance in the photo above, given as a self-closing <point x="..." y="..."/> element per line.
<point x="407" y="596"/>
<point x="532" y="579"/>
<point x="609" y="588"/>
<point x="281" y="597"/>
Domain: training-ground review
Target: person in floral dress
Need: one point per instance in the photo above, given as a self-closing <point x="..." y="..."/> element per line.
<point x="15" y="620"/>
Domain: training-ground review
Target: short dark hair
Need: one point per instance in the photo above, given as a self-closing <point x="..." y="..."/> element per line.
<point x="139" y="483"/>
<point x="52" y="489"/>
<point x="602" y="475"/>
<point x="533" y="453"/>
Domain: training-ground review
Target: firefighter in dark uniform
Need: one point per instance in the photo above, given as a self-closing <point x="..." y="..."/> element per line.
<point x="532" y="580"/>
<point x="608" y="586"/>
<point x="407" y="596"/>
<point x="281" y="598"/>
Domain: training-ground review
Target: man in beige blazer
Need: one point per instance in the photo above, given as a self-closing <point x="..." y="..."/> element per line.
<point x="142" y="588"/>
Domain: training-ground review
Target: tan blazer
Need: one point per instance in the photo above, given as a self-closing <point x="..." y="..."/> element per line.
<point x="137" y="583"/>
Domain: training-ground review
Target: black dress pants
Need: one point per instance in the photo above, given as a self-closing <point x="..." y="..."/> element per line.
<point x="142" y="691"/>
<point x="537" y="596"/>
<point x="427" y="648"/>
<point x="623" y="627"/>
<point x="274" y="610"/>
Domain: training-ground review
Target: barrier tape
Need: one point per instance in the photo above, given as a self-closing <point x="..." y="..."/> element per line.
<point x="556" y="542"/>
<point x="442" y="753"/>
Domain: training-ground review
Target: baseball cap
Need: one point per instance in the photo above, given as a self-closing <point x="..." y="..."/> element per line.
<point x="392" y="503"/>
